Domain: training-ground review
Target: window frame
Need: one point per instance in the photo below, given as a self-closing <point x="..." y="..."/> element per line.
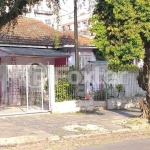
<point x="83" y="60"/>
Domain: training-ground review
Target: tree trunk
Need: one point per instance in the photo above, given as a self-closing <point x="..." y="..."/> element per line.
<point x="144" y="83"/>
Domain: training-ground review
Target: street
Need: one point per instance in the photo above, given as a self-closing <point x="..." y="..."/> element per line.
<point x="125" y="145"/>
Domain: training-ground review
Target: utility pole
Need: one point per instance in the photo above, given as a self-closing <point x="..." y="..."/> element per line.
<point x="76" y="42"/>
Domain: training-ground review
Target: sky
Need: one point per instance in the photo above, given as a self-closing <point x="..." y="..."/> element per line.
<point x="68" y="6"/>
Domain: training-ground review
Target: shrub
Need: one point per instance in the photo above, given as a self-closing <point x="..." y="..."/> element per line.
<point x="119" y="87"/>
<point x="100" y="95"/>
<point x="64" y="90"/>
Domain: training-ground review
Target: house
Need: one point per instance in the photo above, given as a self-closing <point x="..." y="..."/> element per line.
<point x="29" y="37"/>
<point x="84" y="46"/>
<point x="86" y="55"/>
<point x="26" y="51"/>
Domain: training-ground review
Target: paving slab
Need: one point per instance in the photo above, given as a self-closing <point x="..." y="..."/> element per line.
<point x="34" y="127"/>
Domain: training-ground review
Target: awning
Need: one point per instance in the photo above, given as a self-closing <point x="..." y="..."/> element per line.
<point x="29" y="51"/>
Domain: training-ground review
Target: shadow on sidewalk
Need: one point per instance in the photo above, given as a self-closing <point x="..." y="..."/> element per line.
<point x="127" y="113"/>
<point x="92" y="113"/>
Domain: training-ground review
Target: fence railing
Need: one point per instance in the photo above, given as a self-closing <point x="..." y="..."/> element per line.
<point x="118" y="84"/>
<point x="105" y="84"/>
<point x="64" y="90"/>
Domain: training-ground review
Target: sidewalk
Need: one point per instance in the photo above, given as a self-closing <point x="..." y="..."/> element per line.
<point x="37" y="127"/>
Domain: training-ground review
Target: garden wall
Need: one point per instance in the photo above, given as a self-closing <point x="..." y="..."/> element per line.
<point x="90" y="105"/>
<point x="124" y="103"/>
<point x="73" y="106"/>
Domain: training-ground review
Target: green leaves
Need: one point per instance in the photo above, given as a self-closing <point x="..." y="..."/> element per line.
<point x="11" y="9"/>
<point x="122" y="28"/>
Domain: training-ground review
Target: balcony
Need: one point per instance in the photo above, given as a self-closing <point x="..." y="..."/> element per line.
<point x="43" y="12"/>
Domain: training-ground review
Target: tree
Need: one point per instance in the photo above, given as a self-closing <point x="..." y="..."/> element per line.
<point x="122" y="29"/>
<point x="11" y="9"/>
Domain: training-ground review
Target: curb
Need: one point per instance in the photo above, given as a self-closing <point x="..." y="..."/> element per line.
<point x="34" y="139"/>
<point x="25" y="139"/>
<point x="95" y="134"/>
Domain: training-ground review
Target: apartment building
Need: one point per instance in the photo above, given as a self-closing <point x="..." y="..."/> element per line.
<point x="67" y="23"/>
<point x="42" y="12"/>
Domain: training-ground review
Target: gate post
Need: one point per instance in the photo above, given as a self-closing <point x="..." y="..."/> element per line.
<point x="51" y="85"/>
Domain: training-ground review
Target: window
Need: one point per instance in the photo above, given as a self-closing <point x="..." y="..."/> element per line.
<point x="63" y="28"/>
<point x="89" y="23"/>
<point x="78" y="24"/>
<point x="83" y="60"/>
<point x="85" y="22"/>
<point x="92" y="34"/>
<point x="84" y="33"/>
<point x="69" y="27"/>
<point x="48" y="21"/>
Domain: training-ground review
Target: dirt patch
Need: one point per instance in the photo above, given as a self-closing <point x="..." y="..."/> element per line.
<point x="134" y="123"/>
<point x="86" y="128"/>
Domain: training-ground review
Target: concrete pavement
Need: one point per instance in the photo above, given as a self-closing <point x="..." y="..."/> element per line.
<point x="37" y="127"/>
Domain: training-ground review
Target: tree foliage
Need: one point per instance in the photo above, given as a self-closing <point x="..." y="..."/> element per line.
<point x="11" y="9"/>
<point x="122" y="28"/>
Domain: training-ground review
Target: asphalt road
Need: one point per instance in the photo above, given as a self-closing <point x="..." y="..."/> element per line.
<point x="142" y="144"/>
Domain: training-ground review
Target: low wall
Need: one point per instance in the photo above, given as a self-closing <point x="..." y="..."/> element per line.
<point x="73" y="106"/>
<point x="124" y="103"/>
<point x="99" y="104"/>
<point x="90" y="105"/>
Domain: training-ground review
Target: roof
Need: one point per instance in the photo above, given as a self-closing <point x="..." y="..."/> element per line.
<point x="45" y="52"/>
<point x="99" y="62"/>
<point x="67" y="38"/>
<point x="28" y="31"/>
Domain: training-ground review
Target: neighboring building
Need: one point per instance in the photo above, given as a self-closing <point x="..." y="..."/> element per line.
<point x="85" y="49"/>
<point x="42" y="12"/>
<point x="67" y="23"/>
<point x="85" y="10"/>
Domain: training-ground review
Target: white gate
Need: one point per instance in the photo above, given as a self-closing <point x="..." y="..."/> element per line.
<point x="24" y="89"/>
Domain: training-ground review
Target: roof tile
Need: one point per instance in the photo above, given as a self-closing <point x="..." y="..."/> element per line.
<point x="30" y="31"/>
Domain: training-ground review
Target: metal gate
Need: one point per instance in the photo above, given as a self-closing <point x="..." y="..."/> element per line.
<point x="24" y="89"/>
<point x="96" y="79"/>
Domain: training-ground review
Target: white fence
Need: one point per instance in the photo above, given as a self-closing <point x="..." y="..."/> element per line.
<point x="129" y="82"/>
<point x="98" y="78"/>
<point x="104" y="79"/>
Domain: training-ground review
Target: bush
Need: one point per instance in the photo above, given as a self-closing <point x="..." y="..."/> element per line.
<point x="119" y="87"/>
<point x="100" y="95"/>
<point x="64" y="90"/>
